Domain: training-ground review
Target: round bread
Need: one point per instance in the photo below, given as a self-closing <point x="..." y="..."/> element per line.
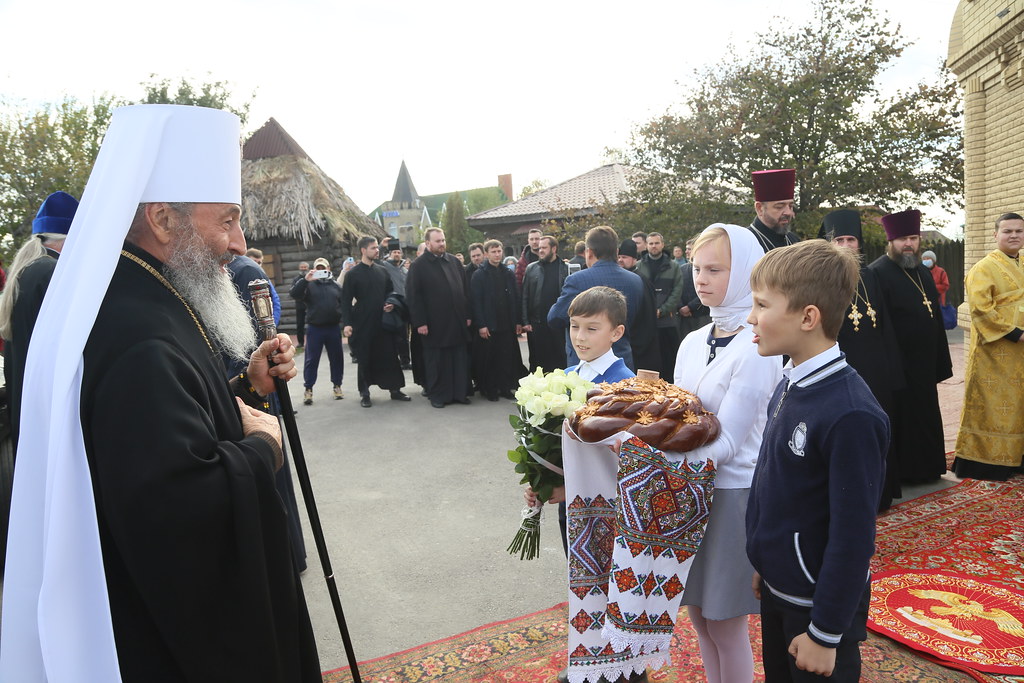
<point x="662" y="414"/>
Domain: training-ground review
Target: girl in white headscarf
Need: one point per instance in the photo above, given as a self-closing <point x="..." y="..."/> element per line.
<point x="720" y="364"/>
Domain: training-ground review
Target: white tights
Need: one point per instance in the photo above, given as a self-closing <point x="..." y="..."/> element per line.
<point x="724" y="647"/>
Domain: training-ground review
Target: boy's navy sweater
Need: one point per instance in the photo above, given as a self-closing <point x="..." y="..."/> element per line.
<point x="811" y="513"/>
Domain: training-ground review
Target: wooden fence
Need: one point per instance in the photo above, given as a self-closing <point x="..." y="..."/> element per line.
<point x="949" y="255"/>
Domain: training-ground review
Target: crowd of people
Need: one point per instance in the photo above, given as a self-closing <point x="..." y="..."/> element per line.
<point x="151" y="453"/>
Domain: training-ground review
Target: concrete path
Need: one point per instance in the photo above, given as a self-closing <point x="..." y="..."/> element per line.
<point x="418" y="506"/>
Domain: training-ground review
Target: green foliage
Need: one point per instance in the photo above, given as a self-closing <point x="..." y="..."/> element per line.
<point x="806" y="98"/>
<point x="43" y="150"/>
<point x="213" y="94"/>
<point x="457" y="232"/>
<point x="535" y="185"/>
<point x="484" y="198"/>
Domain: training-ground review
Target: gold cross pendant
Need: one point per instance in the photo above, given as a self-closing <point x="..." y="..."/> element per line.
<point x="871" y="314"/>
<point x="929" y="305"/>
<point x="855" y="316"/>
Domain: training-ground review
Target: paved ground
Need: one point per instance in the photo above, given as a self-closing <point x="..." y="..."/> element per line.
<point x="418" y="506"/>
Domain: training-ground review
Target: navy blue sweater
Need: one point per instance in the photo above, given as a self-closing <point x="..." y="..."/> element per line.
<point x="814" y="497"/>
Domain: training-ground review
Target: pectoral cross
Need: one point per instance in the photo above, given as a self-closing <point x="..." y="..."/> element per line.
<point x="855" y="316"/>
<point x="928" y="304"/>
<point x="873" y="316"/>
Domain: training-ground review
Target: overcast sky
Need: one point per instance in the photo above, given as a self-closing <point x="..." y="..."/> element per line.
<point x="462" y="91"/>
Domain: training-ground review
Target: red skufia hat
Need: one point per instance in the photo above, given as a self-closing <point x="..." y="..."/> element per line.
<point x="774" y="186"/>
<point x="902" y="224"/>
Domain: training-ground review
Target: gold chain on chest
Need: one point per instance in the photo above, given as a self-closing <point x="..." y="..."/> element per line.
<point x="155" y="273"/>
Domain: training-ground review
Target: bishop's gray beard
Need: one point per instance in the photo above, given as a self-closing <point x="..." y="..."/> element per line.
<point x="198" y="277"/>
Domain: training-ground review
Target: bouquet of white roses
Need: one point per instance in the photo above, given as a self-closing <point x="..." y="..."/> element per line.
<point x="543" y="402"/>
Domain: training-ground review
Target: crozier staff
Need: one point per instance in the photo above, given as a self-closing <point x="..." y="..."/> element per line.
<point x="147" y="540"/>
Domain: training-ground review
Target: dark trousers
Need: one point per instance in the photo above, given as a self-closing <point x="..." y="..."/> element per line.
<point x="447" y="372"/>
<point x="547" y="349"/>
<point x="318" y="338"/>
<point x="499" y="364"/>
<point x="781" y="622"/>
<point x="668" y="341"/>
<point x="300" y="324"/>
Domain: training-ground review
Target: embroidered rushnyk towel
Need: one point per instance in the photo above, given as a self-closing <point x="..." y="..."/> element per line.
<point x="636" y="516"/>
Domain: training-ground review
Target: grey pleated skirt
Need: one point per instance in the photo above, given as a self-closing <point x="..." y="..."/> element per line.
<point x="720" y="576"/>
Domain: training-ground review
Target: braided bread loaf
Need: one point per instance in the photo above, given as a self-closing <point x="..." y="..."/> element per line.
<point x="662" y="414"/>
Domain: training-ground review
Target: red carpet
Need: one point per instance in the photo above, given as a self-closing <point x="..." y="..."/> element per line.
<point x="973" y="530"/>
<point x="531" y="649"/>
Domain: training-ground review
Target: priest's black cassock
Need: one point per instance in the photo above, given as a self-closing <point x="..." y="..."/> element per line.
<point x="495" y="305"/>
<point x="769" y="239"/>
<point x="195" y="544"/>
<point x="372" y="344"/>
<point x="438" y="297"/>
<point x="916" y="428"/>
<point x="32" y="284"/>
<point x="871" y="349"/>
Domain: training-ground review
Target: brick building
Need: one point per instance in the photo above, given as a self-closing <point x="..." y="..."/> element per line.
<point x="986" y="52"/>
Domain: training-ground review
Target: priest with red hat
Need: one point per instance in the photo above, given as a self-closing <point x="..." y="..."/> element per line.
<point x="909" y="294"/>
<point x="773" y="203"/>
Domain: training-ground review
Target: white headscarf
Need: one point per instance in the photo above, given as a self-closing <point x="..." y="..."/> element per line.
<point x="56" y="612"/>
<point x="732" y="313"/>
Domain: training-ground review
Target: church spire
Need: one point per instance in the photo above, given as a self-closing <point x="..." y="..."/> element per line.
<point x="405" y="191"/>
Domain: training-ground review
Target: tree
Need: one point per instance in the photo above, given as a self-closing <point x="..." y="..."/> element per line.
<point x="213" y="94"/>
<point x="808" y="98"/>
<point x="457" y="232"/>
<point x="44" y="150"/>
<point x="535" y="185"/>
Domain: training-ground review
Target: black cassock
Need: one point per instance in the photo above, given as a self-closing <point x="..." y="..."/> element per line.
<point x="195" y="544"/>
<point x="871" y="349"/>
<point x="916" y="421"/>
<point x="437" y="294"/>
<point x="370" y="342"/>
<point x="643" y="333"/>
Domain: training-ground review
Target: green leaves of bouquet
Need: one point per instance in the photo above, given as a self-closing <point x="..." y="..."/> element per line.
<point x="543" y="402"/>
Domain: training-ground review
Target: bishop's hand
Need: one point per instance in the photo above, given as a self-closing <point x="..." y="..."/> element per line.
<point x="261" y="372"/>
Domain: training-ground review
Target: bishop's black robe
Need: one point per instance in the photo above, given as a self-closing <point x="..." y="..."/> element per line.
<point x="871" y="349"/>
<point x="916" y="422"/>
<point x="498" y="362"/>
<point x="195" y="544"/>
<point x="372" y="344"/>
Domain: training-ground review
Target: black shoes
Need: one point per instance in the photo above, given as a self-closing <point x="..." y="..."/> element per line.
<point x="399" y="396"/>
<point x="507" y="394"/>
<point x="365" y="402"/>
<point x="492" y="397"/>
<point x="437" y="404"/>
<point x="463" y="401"/>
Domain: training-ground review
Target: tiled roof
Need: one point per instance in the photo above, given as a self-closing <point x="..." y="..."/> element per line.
<point x="603" y="185"/>
<point x="271" y="140"/>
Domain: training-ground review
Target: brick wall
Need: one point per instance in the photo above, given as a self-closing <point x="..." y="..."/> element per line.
<point x="986" y="52"/>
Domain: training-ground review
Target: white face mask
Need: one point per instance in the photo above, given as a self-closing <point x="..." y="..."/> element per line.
<point x="928" y="263"/>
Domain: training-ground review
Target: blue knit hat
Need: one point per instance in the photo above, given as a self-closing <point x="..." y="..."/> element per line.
<point x="55" y="214"/>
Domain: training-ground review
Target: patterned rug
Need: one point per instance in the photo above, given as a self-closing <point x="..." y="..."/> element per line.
<point x="532" y="649"/>
<point x="953" y="617"/>
<point x="975" y="528"/>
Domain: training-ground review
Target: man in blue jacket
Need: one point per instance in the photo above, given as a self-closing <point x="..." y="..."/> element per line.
<point x="602" y="270"/>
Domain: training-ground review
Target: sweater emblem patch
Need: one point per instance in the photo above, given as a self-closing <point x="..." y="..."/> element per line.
<point x="799" y="439"/>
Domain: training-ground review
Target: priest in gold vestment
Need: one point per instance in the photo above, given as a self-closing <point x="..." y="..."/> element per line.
<point x="991" y="438"/>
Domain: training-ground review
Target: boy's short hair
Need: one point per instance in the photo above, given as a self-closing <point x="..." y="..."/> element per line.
<point x="490" y="244"/>
<point x="811" y="273"/>
<point x="600" y="301"/>
<point x="475" y="245"/>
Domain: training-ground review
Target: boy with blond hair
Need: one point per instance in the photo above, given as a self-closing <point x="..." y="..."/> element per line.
<point x="811" y="514"/>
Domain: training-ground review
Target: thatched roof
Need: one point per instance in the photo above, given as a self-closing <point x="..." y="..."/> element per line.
<point x="289" y="196"/>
